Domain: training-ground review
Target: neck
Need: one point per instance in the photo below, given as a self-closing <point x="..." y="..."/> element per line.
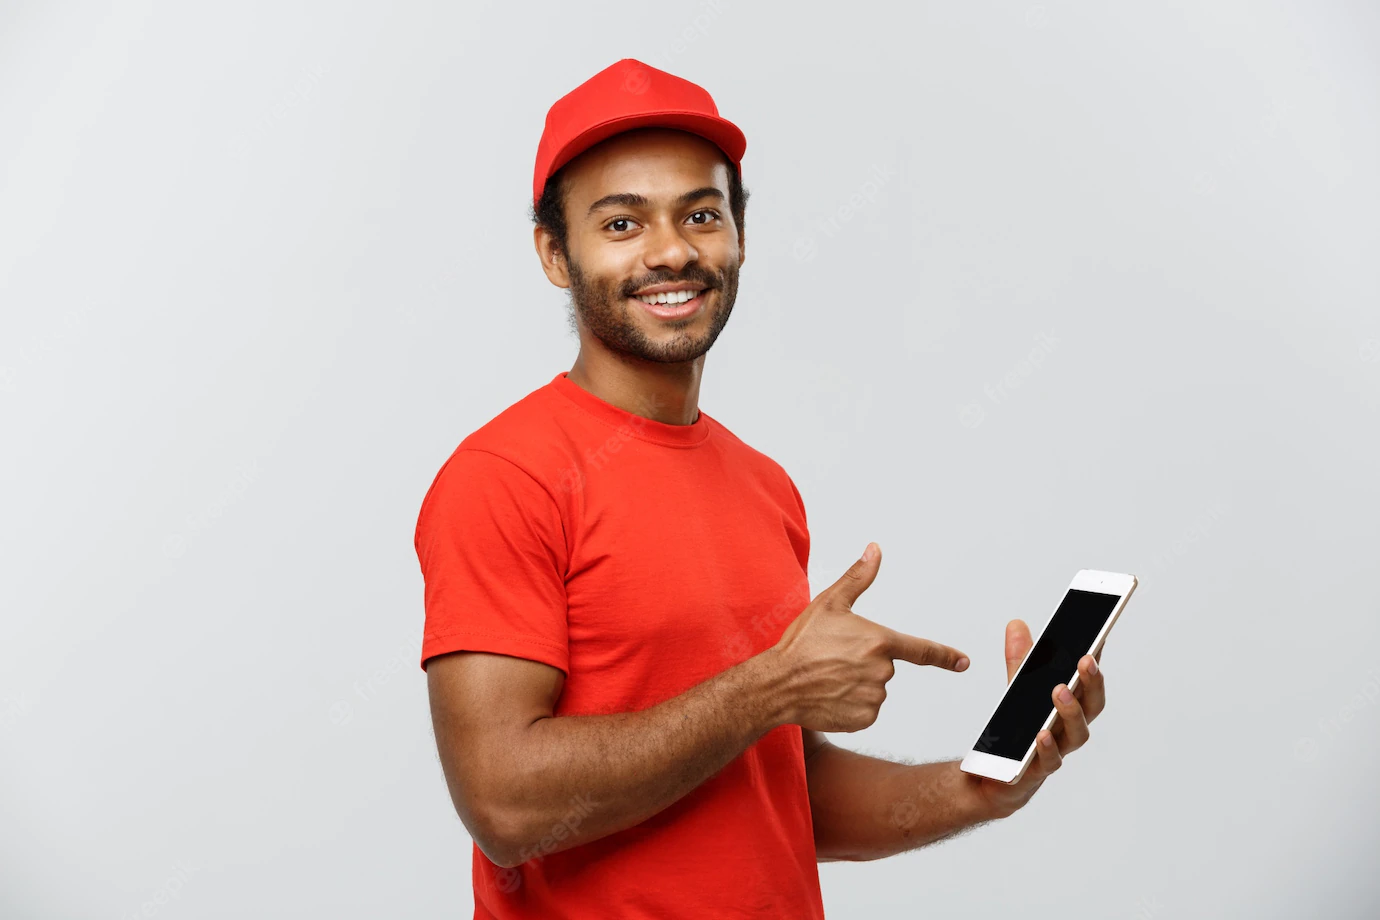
<point x="668" y="393"/>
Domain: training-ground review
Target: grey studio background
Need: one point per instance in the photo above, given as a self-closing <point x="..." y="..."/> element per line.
<point x="1030" y="287"/>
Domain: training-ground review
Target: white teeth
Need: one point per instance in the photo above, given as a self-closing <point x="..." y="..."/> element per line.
<point x="674" y="297"/>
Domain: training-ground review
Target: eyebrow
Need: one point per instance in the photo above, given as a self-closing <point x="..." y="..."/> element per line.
<point x="634" y="200"/>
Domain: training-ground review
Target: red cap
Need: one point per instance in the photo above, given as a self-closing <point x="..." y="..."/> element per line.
<point x="624" y="96"/>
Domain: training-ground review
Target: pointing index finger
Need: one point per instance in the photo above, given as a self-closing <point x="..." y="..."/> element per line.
<point x="922" y="651"/>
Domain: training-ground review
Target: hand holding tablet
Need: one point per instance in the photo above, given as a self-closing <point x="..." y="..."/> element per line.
<point x="1078" y="627"/>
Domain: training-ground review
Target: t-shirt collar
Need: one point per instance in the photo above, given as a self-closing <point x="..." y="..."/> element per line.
<point x="632" y="425"/>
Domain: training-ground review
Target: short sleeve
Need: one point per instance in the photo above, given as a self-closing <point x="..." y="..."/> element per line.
<point x="803" y="547"/>
<point x="492" y="550"/>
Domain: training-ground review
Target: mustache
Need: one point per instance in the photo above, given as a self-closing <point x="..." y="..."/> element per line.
<point x="692" y="276"/>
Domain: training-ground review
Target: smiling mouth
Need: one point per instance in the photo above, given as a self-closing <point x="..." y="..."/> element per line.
<point x="669" y="298"/>
<point x="674" y="305"/>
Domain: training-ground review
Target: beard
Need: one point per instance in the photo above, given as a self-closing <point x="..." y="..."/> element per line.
<point x="602" y="306"/>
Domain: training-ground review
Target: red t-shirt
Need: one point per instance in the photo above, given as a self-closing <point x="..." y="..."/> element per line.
<point x="641" y="559"/>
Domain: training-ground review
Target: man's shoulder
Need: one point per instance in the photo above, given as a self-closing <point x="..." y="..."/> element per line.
<point x="746" y="455"/>
<point x="521" y="424"/>
<point x="529" y="434"/>
<point x="517" y="453"/>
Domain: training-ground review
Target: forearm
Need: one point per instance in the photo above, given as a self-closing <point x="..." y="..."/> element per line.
<point x="865" y="808"/>
<point x="573" y="779"/>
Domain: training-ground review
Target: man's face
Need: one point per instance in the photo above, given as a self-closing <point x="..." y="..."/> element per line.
<point x="649" y="209"/>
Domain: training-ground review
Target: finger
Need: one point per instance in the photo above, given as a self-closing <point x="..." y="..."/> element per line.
<point x="923" y="651"/>
<point x="1075" y="725"/>
<point x="1047" y="754"/>
<point x="1018" y="643"/>
<point x="1092" y="690"/>
<point x="858" y="577"/>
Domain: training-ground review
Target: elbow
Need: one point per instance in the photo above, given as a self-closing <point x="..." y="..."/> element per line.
<point x="498" y="837"/>
<point x="513" y="836"/>
<point x="500" y="854"/>
<point x="497" y="825"/>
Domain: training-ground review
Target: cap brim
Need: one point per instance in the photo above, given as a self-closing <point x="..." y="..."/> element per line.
<point x="720" y="131"/>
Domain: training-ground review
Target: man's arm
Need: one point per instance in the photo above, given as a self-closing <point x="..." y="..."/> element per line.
<point x="865" y="808"/>
<point x="526" y="783"/>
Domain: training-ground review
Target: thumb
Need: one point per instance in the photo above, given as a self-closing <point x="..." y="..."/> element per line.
<point x="1018" y="643"/>
<point x="858" y="577"/>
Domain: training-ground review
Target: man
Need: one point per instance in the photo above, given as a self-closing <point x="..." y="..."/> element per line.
<point x="628" y="679"/>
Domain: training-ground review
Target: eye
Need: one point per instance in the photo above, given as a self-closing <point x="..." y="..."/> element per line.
<point x="704" y="211"/>
<point x="614" y="224"/>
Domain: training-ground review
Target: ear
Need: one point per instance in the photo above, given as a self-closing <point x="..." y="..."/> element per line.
<point x="553" y="261"/>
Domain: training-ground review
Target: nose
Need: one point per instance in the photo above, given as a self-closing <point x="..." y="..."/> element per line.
<point x="668" y="247"/>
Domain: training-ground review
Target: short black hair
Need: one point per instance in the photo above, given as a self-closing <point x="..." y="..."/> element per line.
<point x="549" y="210"/>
